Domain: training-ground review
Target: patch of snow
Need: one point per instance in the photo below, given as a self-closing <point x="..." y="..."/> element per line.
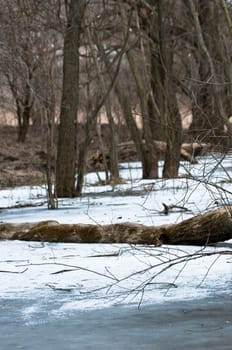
<point x="86" y="276"/>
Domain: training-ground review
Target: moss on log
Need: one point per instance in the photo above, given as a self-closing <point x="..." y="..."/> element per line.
<point x="209" y="228"/>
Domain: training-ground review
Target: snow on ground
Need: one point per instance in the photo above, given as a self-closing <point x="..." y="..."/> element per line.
<point x="202" y="187"/>
<point x="85" y="276"/>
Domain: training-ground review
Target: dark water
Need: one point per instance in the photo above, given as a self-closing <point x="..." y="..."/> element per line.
<point x="199" y="324"/>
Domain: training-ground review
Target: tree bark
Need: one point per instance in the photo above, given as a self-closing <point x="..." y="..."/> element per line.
<point x="66" y="150"/>
<point x="207" y="229"/>
<point x="24" y="104"/>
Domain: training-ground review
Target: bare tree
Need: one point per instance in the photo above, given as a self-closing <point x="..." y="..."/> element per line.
<point x="29" y="40"/>
<point x="21" y="58"/>
<point x="113" y="164"/>
<point x="103" y="64"/>
<point x="156" y="21"/>
<point x="169" y="101"/>
<point x="211" y="105"/>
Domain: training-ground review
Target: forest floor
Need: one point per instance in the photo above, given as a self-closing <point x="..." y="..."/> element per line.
<point x="21" y="163"/>
<point x="25" y="163"/>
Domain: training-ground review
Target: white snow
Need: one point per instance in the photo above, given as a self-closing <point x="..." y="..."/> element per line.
<point x="84" y="276"/>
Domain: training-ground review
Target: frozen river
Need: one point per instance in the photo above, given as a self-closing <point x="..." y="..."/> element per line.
<point x="200" y="324"/>
<point x="70" y="296"/>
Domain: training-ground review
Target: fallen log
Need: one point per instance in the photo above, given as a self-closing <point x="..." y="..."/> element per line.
<point x="209" y="228"/>
<point x="127" y="152"/>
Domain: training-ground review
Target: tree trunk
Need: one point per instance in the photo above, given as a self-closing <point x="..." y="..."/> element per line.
<point x="207" y="229"/>
<point x="24" y="119"/>
<point x="149" y="158"/>
<point x="162" y="103"/>
<point x="125" y="105"/>
<point x="209" y="104"/>
<point x="113" y="164"/>
<point x="66" y="148"/>
<point x="103" y="151"/>
<point x="52" y="200"/>
<point x="173" y="137"/>
<point x="171" y="111"/>
<point x="49" y="111"/>
<point x="24" y="107"/>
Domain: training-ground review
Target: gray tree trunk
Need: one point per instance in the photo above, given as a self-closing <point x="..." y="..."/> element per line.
<point x="66" y="148"/>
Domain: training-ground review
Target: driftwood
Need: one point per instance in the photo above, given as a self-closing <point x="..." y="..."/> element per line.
<point x="127" y="152"/>
<point x="209" y="228"/>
